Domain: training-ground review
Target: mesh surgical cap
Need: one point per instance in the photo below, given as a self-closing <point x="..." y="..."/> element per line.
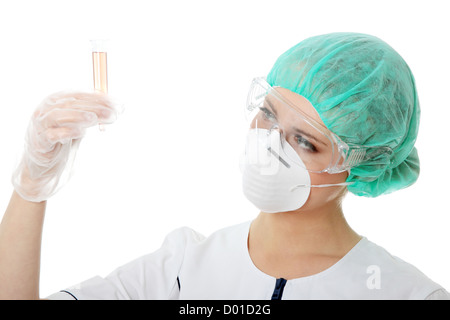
<point x="365" y="93"/>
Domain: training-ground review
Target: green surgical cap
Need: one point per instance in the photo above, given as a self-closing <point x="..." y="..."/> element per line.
<point x="365" y="93"/>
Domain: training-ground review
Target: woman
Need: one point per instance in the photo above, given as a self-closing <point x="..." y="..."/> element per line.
<point x="337" y="113"/>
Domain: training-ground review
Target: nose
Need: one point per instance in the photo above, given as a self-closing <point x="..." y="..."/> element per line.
<point x="277" y="128"/>
<point x="280" y="130"/>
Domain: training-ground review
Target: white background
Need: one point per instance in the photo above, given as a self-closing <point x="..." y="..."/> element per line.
<point x="182" y="70"/>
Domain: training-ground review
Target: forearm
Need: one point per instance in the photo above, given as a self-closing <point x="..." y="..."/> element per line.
<point x="20" y="248"/>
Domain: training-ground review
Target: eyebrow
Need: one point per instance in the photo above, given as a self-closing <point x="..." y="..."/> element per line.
<point x="274" y="110"/>
<point x="271" y="106"/>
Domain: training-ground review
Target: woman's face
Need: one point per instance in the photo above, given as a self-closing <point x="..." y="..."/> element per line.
<point x="312" y="146"/>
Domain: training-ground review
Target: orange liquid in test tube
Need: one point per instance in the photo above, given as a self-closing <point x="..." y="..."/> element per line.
<point x="99" y="62"/>
<point x="100" y="65"/>
<point x="100" y="68"/>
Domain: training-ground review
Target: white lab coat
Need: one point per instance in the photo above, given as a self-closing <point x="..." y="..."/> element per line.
<point x="190" y="266"/>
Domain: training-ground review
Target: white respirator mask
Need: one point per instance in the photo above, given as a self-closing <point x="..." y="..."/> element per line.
<point x="273" y="177"/>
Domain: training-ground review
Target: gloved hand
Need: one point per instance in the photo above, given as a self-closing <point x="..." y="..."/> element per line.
<point x="52" y="139"/>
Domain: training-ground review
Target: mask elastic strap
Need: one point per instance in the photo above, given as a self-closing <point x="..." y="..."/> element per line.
<point x="321" y="185"/>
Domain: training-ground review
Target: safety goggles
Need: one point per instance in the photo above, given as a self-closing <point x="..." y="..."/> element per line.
<point x="319" y="149"/>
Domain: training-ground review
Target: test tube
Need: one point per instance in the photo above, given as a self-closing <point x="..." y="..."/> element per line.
<point x="100" y="68"/>
<point x="100" y="65"/>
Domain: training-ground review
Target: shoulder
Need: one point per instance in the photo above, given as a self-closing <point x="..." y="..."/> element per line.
<point x="391" y="275"/>
<point x="183" y="236"/>
<point x="227" y="236"/>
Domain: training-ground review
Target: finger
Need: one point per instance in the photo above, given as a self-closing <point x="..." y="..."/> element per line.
<point x="105" y="108"/>
<point x="90" y="97"/>
<point x="64" y="135"/>
<point x="46" y="141"/>
<point x="68" y="117"/>
<point x="104" y="114"/>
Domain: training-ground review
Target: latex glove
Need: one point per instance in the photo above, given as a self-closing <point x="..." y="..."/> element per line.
<point x="52" y="139"/>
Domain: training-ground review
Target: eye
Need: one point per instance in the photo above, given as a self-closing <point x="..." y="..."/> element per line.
<point x="267" y="114"/>
<point x="305" y="144"/>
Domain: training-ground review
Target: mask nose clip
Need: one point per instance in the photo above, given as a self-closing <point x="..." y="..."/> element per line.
<point x="274" y="145"/>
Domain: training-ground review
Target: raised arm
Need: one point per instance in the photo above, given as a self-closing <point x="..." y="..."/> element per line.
<point x="53" y="136"/>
